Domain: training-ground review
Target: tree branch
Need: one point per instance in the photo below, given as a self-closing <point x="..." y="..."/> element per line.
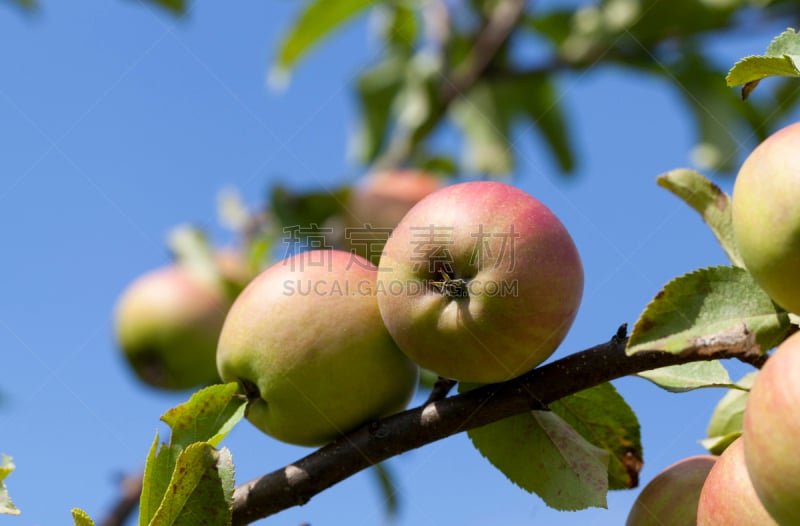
<point x="131" y="489"/>
<point x="298" y="482"/>
<point x="501" y="24"/>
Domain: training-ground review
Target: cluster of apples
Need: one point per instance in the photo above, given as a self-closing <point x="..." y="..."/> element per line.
<point x="168" y="321"/>
<point x="756" y="480"/>
<point x="478" y="282"/>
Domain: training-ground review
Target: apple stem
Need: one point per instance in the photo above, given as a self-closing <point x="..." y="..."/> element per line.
<point x="452" y="287"/>
<point x="441" y="389"/>
<point x="250" y="389"/>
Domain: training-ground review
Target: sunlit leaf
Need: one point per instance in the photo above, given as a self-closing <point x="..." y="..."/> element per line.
<point x="377" y="89"/>
<point x="487" y="149"/>
<point x="782" y="59"/>
<point x="317" y="19"/>
<point x="709" y="309"/>
<point x="706" y="198"/>
<point x="200" y="490"/>
<point x="191" y="247"/>
<point x="727" y="420"/>
<point x="6" y="467"/>
<point x="208" y="416"/>
<point x="157" y="473"/>
<point x="81" y="518"/>
<point x="689" y="376"/>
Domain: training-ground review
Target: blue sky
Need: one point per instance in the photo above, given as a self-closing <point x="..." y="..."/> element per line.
<point x="118" y="122"/>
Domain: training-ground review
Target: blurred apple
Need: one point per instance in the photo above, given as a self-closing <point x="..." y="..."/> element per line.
<point x="479" y="282"/>
<point x="167" y="322"/>
<point x="728" y="497"/>
<point x="771" y="431"/>
<point x="306" y="341"/>
<point x="378" y="203"/>
<point x="671" y="497"/>
<point x="766" y="218"/>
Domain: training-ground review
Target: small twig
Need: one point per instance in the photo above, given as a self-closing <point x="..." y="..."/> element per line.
<point x="129" y="498"/>
<point x="440" y="389"/>
<point x="498" y="29"/>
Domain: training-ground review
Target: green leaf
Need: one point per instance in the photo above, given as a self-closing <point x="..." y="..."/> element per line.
<point x="487" y="133"/>
<point x="541" y="104"/>
<point x="6" y="468"/>
<point x="201" y="489"/>
<point x="441" y="165"/>
<point x="400" y="30"/>
<point x="157" y="473"/>
<point x="208" y="416"/>
<point x="232" y="212"/>
<point x="303" y="210"/>
<point x="318" y="19"/>
<point x="385" y="481"/>
<point x="709" y="309"/>
<point x="81" y="518"/>
<point x="534" y="101"/>
<point x="602" y="417"/>
<point x="689" y="376"/>
<point x="717" y="445"/>
<point x="727" y="419"/>
<point x="541" y="453"/>
<point x="192" y="249"/>
<point x="707" y="199"/>
<point x="177" y="7"/>
<point x="377" y="89"/>
<point x="782" y="59"/>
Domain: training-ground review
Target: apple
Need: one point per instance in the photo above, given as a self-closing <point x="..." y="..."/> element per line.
<point x="671" y="497"/>
<point x="167" y="322"/>
<point x="728" y="497"/>
<point x="771" y="431"/>
<point x="306" y="342"/>
<point x="766" y="218"/>
<point x="378" y="203"/>
<point x="479" y="282"/>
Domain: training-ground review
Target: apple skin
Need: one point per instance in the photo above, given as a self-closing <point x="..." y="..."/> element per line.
<point x="521" y="291"/>
<point x="671" y="497"/>
<point x="766" y="218"/>
<point x="167" y="323"/>
<point x="728" y="497"/>
<point x="306" y="341"/>
<point x="381" y="199"/>
<point x="771" y="431"/>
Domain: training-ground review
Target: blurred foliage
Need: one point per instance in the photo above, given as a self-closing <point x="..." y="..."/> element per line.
<point x="492" y="68"/>
<point x="408" y="92"/>
<point x="25" y="4"/>
<point x="176" y="6"/>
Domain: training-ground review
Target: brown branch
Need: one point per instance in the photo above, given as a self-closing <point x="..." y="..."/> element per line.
<point x="298" y="482"/>
<point x="129" y="498"/>
<point x="498" y="29"/>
